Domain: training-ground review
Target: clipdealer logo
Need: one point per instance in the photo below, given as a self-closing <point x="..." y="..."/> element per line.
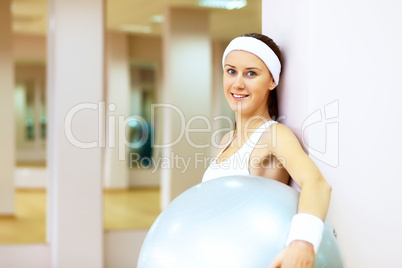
<point x="115" y="128"/>
<point x="323" y="123"/>
<point x="319" y="135"/>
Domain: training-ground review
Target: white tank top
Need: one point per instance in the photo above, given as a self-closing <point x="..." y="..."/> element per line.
<point x="237" y="164"/>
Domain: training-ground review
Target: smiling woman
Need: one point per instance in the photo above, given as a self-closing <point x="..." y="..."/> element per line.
<point x="252" y="69"/>
<point x="261" y="67"/>
<point x="247" y="83"/>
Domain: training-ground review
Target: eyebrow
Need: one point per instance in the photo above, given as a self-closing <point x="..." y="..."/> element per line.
<point x="248" y="68"/>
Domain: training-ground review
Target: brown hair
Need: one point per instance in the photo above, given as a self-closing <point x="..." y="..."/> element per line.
<point x="272" y="97"/>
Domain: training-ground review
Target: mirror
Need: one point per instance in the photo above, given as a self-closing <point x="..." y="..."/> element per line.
<point x="137" y="204"/>
<point x="28" y="225"/>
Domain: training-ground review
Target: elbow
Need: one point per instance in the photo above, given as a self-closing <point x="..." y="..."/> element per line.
<point x="319" y="184"/>
<point x="326" y="187"/>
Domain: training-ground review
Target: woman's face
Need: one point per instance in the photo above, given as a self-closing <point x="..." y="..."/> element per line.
<point x="247" y="82"/>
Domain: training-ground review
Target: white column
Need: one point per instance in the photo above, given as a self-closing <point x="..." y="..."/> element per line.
<point x="7" y="119"/>
<point x="75" y="81"/>
<point x="118" y="101"/>
<point x="342" y="87"/>
<point x="187" y="86"/>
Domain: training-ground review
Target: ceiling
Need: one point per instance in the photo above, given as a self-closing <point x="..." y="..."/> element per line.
<point x="136" y="17"/>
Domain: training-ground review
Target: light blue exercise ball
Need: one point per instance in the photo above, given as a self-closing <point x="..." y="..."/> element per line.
<point x="233" y="221"/>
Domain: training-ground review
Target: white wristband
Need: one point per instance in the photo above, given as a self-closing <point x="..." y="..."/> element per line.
<point x="306" y="227"/>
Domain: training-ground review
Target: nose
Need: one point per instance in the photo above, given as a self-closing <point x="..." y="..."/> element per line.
<point x="239" y="82"/>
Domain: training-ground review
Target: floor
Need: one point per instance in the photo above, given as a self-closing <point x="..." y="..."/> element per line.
<point x="123" y="210"/>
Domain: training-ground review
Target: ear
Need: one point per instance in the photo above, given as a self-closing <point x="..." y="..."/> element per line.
<point x="272" y="85"/>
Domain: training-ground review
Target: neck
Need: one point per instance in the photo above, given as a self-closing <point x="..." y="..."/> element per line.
<point x="247" y="124"/>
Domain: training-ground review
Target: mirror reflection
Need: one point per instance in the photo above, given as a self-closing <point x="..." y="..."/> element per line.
<point x="132" y="197"/>
<point x="137" y="205"/>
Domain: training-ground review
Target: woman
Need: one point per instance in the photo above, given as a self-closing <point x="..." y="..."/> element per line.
<point x="263" y="147"/>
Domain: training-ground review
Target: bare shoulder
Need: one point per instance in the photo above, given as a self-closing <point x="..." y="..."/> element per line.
<point x="280" y="137"/>
<point x="284" y="132"/>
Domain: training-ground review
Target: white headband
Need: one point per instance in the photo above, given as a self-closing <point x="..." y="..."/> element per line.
<point x="258" y="48"/>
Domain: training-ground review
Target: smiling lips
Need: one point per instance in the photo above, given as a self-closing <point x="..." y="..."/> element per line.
<point x="239" y="96"/>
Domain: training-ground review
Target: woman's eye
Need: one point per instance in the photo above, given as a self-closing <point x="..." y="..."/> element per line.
<point x="251" y="73"/>
<point x="231" y="71"/>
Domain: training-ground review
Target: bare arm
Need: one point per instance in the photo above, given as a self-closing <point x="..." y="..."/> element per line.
<point x="314" y="197"/>
<point x="315" y="192"/>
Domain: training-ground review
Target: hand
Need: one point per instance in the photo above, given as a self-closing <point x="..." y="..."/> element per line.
<point x="299" y="254"/>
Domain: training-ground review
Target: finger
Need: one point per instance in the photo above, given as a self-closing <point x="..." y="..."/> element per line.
<point x="277" y="262"/>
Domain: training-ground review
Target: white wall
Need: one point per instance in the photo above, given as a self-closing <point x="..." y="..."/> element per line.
<point x="344" y="58"/>
<point x="25" y="256"/>
<point x="30" y="177"/>
<point x="122" y="248"/>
